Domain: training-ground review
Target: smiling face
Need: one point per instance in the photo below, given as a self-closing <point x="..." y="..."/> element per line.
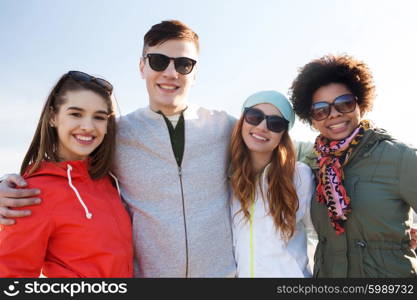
<point x="81" y="124"/>
<point x="259" y="139"/>
<point x="336" y="126"/>
<point x="168" y="89"/>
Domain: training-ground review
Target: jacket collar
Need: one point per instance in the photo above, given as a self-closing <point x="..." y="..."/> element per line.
<point x="367" y="145"/>
<point x="190" y="112"/>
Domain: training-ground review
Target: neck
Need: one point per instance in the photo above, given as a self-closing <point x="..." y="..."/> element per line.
<point x="169" y="110"/>
<point x="260" y="160"/>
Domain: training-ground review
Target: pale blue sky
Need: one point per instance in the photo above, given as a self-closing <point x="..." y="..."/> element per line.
<point x="246" y="46"/>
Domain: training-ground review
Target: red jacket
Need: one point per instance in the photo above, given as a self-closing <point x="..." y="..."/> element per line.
<point x="81" y="228"/>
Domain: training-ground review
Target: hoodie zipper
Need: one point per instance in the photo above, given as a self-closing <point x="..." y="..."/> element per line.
<point x="170" y="128"/>
<point x="185" y="222"/>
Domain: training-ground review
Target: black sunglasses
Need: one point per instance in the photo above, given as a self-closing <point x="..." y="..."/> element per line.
<point x="274" y="123"/>
<point x="160" y="62"/>
<point x="81" y="76"/>
<point x="344" y="104"/>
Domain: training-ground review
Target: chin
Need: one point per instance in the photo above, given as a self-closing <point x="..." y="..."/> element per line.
<point x="168" y="103"/>
<point x="339" y="136"/>
<point x="260" y="149"/>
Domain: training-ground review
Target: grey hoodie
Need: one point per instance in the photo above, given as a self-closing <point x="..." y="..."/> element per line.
<point x="181" y="218"/>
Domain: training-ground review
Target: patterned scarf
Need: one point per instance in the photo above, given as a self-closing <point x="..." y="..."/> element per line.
<point x="331" y="157"/>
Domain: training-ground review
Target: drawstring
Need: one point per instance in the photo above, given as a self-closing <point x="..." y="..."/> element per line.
<point x="87" y="213"/>
<point x="115" y="180"/>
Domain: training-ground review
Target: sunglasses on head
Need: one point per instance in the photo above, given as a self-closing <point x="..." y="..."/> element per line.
<point x="343" y="104"/>
<point x="81" y="76"/>
<point x="255" y="116"/>
<point x="159" y="62"/>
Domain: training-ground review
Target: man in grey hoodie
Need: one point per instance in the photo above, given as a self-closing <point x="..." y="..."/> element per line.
<point x="171" y="161"/>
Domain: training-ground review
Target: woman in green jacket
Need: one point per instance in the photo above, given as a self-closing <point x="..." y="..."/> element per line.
<point x="366" y="180"/>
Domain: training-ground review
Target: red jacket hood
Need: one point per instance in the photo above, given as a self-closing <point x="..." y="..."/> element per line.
<point x="81" y="228"/>
<point x="70" y="170"/>
<point x="78" y="168"/>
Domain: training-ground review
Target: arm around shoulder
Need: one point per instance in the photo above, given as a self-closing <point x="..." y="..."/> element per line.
<point x="303" y="149"/>
<point x="14" y="194"/>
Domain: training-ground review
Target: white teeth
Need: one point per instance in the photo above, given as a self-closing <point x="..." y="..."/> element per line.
<point x="84" y="138"/>
<point x="336" y="126"/>
<point x="168" y="87"/>
<point x="258" y="137"/>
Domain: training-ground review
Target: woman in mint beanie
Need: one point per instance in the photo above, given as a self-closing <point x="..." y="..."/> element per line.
<point x="271" y="191"/>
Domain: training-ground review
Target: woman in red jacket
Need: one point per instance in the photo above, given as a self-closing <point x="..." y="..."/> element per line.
<point x="81" y="229"/>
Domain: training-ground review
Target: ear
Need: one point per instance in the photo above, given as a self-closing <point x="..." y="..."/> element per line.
<point x="52" y="123"/>
<point x="313" y="127"/>
<point x="142" y="68"/>
<point x="52" y="120"/>
<point x="194" y="77"/>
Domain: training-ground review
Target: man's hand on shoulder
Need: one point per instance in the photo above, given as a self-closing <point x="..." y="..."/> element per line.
<point x="13" y="194"/>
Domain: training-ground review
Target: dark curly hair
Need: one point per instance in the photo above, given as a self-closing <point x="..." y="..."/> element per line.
<point x="328" y="69"/>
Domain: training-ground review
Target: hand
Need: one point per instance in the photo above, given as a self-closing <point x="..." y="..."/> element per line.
<point x="10" y="196"/>
<point x="413" y="243"/>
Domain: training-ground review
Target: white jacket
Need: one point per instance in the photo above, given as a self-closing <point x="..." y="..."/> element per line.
<point x="264" y="253"/>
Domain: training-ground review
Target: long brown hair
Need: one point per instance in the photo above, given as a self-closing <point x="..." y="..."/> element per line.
<point x="281" y="195"/>
<point x="45" y="141"/>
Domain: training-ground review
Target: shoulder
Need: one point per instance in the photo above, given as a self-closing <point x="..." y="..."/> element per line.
<point x="128" y="126"/>
<point x="215" y="121"/>
<point x="396" y="151"/>
<point x="379" y="138"/>
<point x="53" y="188"/>
<point x="129" y="119"/>
<point x="210" y="114"/>
<point x="397" y="146"/>
<point x="407" y="158"/>
<point x="51" y="192"/>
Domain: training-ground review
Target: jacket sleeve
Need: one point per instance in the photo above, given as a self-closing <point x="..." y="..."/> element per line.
<point x="232" y="210"/>
<point x="408" y="177"/>
<point x="305" y="189"/>
<point x="23" y="246"/>
<point x="303" y="149"/>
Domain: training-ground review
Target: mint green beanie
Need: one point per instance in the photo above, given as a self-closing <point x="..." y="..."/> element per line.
<point x="276" y="99"/>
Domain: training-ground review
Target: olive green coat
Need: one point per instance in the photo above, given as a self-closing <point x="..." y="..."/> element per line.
<point x="381" y="180"/>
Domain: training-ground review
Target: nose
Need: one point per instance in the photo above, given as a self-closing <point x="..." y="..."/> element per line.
<point x="334" y="113"/>
<point x="87" y="124"/>
<point x="170" y="70"/>
<point x="262" y="126"/>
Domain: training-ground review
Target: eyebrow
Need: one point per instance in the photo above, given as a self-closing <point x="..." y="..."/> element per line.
<point x="80" y="109"/>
